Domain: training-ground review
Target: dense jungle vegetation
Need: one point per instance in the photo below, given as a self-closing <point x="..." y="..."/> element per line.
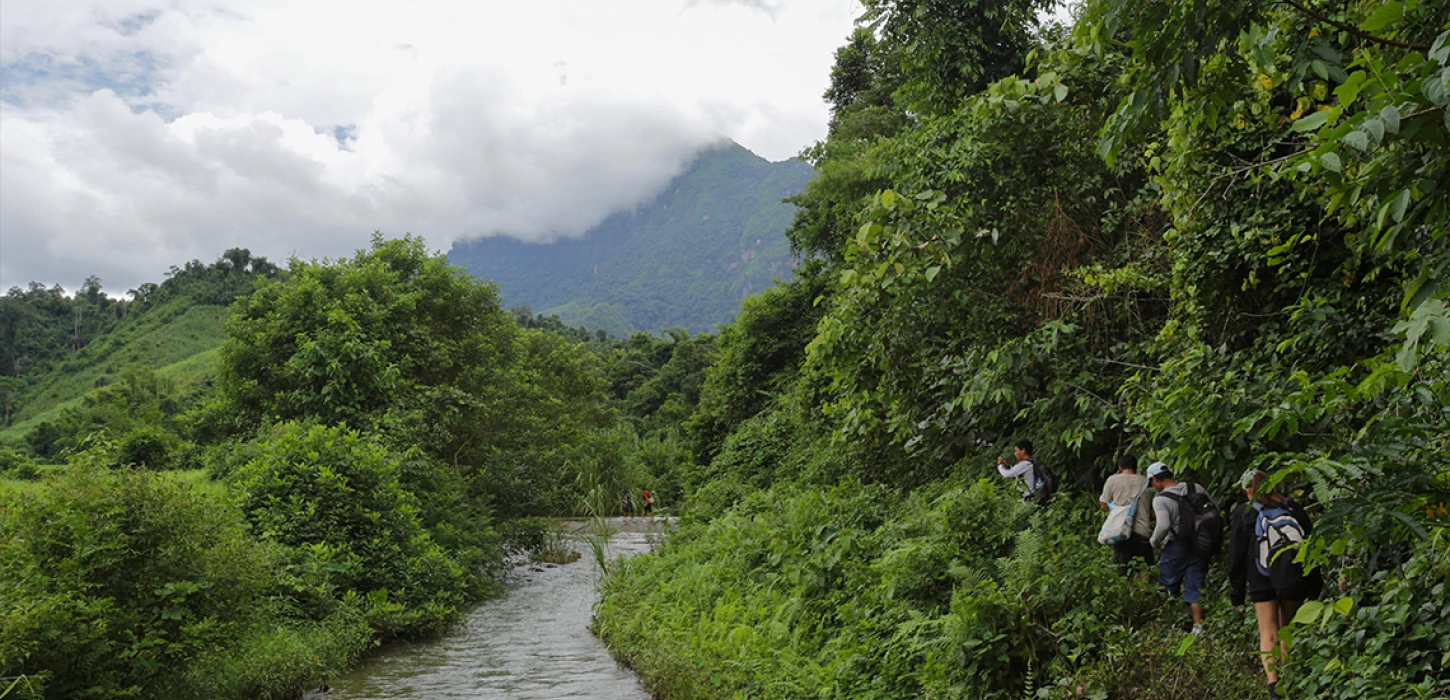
<point x="1212" y="234"/>
<point x="353" y="455"/>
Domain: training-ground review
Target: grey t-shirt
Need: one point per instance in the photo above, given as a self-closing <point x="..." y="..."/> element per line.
<point x="1122" y="489"/>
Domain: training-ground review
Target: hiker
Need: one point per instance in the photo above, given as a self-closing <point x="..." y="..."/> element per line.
<point x="649" y="504"/>
<point x="1025" y="469"/>
<point x="1122" y="488"/>
<point x="1264" y="535"/>
<point x="628" y="505"/>
<point x="1182" y="563"/>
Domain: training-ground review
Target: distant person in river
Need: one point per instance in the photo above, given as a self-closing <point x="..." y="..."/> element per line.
<point x="1180" y="566"/>
<point x="648" y="503"/>
<point x="1122" y="488"/>
<point x="1265" y="535"/>
<point x="1025" y="470"/>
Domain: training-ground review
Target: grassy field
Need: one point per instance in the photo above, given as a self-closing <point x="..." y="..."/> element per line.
<point x="192" y="477"/>
<point x="181" y="343"/>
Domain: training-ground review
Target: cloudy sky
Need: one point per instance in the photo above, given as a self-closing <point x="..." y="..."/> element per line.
<point x="138" y="134"/>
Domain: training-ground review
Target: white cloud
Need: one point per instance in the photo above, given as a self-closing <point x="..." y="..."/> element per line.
<point x="140" y="134"/>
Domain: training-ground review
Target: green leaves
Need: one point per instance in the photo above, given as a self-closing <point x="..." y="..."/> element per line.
<point x="1311" y="122"/>
<point x="1387" y="14"/>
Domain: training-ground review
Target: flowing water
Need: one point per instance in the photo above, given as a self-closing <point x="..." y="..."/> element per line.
<point x="533" y="642"/>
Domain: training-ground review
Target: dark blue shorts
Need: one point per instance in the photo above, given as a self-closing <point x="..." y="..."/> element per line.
<point x="1178" y="567"/>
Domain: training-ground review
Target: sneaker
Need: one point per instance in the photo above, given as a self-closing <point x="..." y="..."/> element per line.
<point x="1197" y="630"/>
<point x="1273" y="694"/>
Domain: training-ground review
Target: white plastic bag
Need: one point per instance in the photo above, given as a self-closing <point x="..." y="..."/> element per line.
<point x="1119" y="525"/>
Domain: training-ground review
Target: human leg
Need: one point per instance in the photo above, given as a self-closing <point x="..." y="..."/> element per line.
<point x="1287" y="610"/>
<point x="1122" y="556"/>
<point x="1172" y="565"/>
<point x="1141" y="548"/>
<point x="1194" y="575"/>
<point x="1267" y="613"/>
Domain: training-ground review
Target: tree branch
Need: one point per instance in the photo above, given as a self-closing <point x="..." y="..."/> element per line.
<point x="1353" y="29"/>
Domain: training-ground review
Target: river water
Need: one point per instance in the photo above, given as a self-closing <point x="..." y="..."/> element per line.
<point x="532" y="642"/>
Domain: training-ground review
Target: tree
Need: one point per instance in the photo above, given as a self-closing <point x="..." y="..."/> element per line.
<point x="392" y="335"/>
<point x="948" y="49"/>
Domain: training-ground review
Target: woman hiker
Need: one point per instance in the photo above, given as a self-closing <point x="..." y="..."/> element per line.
<point x="1264" y="536"/>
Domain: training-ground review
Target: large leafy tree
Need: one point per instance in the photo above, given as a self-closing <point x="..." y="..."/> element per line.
<point x="391" y="337"/>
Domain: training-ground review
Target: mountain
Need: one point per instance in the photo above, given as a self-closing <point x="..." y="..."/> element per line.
<point x="686" y="258"/>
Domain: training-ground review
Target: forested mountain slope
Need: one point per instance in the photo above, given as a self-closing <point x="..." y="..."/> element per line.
<point x="1206" y="233"/>
<point x="686" y="258"/>
<point x="59" y="348"/>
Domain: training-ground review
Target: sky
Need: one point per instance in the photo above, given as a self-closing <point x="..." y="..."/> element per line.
<point x="140" y="134"/>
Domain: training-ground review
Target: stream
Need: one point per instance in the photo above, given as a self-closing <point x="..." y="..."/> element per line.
<point x="532" y="642"/>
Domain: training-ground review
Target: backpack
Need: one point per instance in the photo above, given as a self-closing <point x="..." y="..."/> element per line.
<point x="1276" y="531"/>
<point x="1200" y="524"/>
<point x="1046" y="482"/>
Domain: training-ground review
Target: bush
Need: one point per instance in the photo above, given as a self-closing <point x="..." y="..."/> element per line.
<point x="279" y="661"/>
<point x="116" y="578"/>
<point x="955" y="590"/>
<point x="333" y="497"/>
<point x="149" y="446"/>
<point x="14" y="465"/>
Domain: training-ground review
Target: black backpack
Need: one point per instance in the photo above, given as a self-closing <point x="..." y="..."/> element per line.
<point x="1200" y="524"/>
<point x="1046" y="482"/>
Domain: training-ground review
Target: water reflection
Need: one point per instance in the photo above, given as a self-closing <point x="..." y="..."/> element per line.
<point x="533" y="642"/>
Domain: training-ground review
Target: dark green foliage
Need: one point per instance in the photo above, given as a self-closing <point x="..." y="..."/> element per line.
<point x="956" y="590"/>
<point x="759" y="355"/>
<point x="335" y="498"/>
<point x="16" y="465"/>
<point x="685" y="259"/>
<point x="1246" y="271"/>
<point x="1391" y="645"/>
<point x="115" y="578"/>
<point x="142" y="411"/>
<point x="391" y="329"/>
<point x="949" y="49"/>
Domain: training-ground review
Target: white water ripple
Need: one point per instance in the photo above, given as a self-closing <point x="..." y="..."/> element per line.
<point x="531" y="643"/>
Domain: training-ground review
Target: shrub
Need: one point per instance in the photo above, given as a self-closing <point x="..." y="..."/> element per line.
<point x="956" y="590"/>
<point x="148" y="446"/>
<point x="14" y="465"/>
<point x="333" y="496"/>
<point x="115" y="578"/>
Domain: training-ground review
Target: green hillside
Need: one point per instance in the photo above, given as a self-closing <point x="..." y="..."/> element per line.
<point x="62" y="349"/>
<point x="167" y="336"/>
<point x="687" y="258"/>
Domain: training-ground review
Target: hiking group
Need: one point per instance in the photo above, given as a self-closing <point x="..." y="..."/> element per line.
<point x="1180" y="521"/>
<point x="646" y="504"/>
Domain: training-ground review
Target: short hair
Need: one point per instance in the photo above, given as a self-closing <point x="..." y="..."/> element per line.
<point x="1025" y="446"/>
<point x="1128" y="462"/>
